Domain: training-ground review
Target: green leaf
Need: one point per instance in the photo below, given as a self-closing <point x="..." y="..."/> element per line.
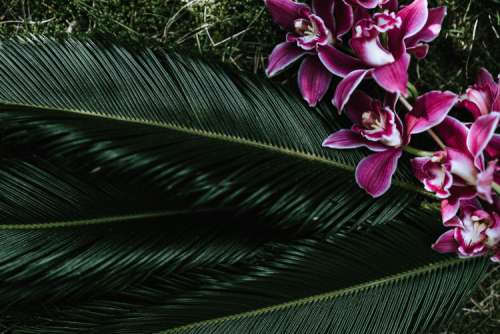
<point x="214" y="272"/>
<point x="193" y="129"/>
<point x="298" y="247"/>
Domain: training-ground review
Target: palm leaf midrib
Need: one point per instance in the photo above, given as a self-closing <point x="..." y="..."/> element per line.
<point x="433" y="266"/>
<point x="107" y="219"/>
<point x="218" y="136"/>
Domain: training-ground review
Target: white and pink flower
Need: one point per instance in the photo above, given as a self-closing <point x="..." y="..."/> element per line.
<point x="382" y="44"/>
<point x="474" y="233"/>
<point x="464" y="158"/>
<point x="310" y="31"/>
<point x="378" y="128"/>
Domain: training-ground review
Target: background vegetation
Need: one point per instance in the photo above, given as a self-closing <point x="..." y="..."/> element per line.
<point x="240" y="33"/>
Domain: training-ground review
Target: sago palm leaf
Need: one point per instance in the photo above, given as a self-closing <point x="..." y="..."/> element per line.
<point x="148" y="148"/>
<point x="209" y="136"/>
<point x="209" y="272"/>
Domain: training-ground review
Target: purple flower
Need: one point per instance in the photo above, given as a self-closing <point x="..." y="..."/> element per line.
<point x="310" y="31"/>
<point x="483" y="97"/>
<point x="378" y="128"/>
<point x="435" y="173"/>
<point x="381" y="44"/>
<point x="464" y="158"/>
<point x="369" y="4"/>
<point x="474" y="233"/>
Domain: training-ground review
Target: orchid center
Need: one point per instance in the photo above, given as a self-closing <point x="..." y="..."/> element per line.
<point x="383" y="22"/>
<point x="310" y="32"/>
<point x="305" y="28"/>
<point x="372" y="120"/>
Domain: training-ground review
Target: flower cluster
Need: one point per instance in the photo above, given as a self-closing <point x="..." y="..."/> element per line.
<point x="360" y="40"/>
<point x="354" y="40"/>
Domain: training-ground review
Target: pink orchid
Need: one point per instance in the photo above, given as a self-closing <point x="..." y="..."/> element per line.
<point x="474" y="233"/>
<point x="406" y="32"/>
<point x="435" y="173"/>
<point x="463" y="160"/>
<point x="378" y="128"/>
<point x="481" y="99"/>
<point x="370" y="4"/>
<point x="310" y="31"/>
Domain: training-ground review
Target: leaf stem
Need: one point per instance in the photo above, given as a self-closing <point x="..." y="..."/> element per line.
<point x="417" y="152"/>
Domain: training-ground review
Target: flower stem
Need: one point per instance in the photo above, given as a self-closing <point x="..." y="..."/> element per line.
<point x="436" y="139"/>
<point x="417" y="152"/>
<point x="430" y="131"/>
<point x="496" y="187"/>
<point x="406" y="103"/>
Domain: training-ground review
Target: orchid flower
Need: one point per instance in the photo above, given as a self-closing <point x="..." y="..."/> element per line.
<point x="474" y="233"/>
<point x="459" y="172"/>
<point x="481" y="99"/>
<point x="378" y="128"/>
<point x="309" y="30"/>
<point x="369" y="4"/>
<point x="405" y="32"/>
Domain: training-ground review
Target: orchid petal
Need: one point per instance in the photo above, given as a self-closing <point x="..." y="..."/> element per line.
<point x="283" y="55"/>
<point x="453" y="133"/>
<point x="485" y="79"/>
<point x="344" y="17"/>
<point x="462" y="165"/>
<point x="417" y="165"/>
<point x="368" y="4"/>
<point x="480" y="134"/>
<point x="359" y="103"/>
<point x="394" y="77"/>
<point x="391" y="5"/>
<point x="367" y="46"/>
<point x="374" y="173"/>
<point x="454" y="222"/>
<point x="347" y="139"/>
<point x="431" y="29"/>
<point x="414" y="17"/>
<point x="420" y="51"/>
<point x="429" y="110"/>
<point x="477" y="100"/>
<point x="485" y="182"/>
<point x="338" y="62"/>
<point x="346" y="87"/>
<point x="450" y="206"/>
<point x="446" y="243"/>
<point x="324" y="9"/>
<point x="493" y="148"/>
<point x="285" y="12"/>
<point x="314" y="80"/>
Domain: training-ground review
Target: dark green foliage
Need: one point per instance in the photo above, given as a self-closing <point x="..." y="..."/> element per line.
<point x="201" y="133"/>
<point x="240" y="32"/>
<point x="98" y="141"/>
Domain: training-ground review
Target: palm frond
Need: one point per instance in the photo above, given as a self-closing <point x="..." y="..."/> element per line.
<point x="216" y="273"/>
<point x="123" y="230"/>
<point x="197" y="130"/>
